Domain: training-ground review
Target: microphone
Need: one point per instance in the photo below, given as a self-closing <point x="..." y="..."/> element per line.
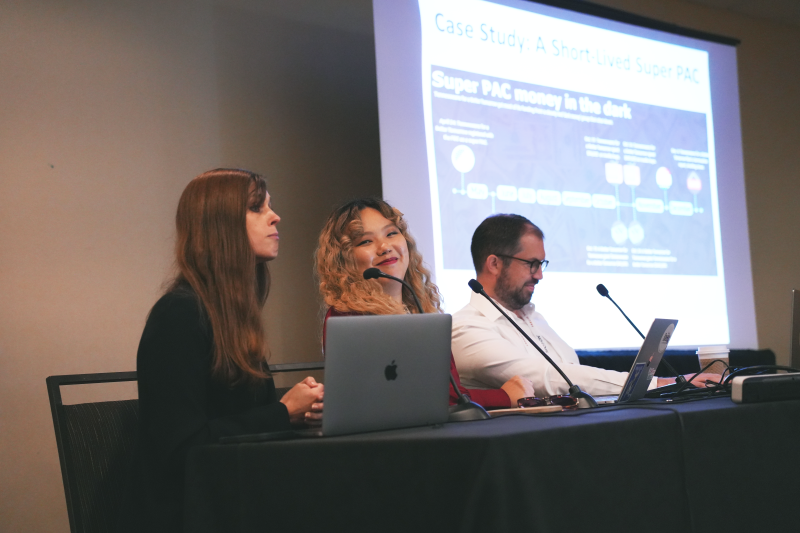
<point x="465" y="409"/>
<point x="604" y="292"/>
<point x="574" y="390"/>
<point x="375" y="273"/>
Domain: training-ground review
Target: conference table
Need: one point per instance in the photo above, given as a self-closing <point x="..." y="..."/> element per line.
<point x="699" y="466"/>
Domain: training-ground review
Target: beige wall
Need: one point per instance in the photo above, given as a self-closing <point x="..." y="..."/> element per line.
<point x="108" y="108"/>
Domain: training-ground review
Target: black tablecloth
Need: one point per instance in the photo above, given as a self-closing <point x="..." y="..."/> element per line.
<point x="701" y="466"/>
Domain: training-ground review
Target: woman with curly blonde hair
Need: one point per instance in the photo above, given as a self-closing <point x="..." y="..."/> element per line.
<point x="369" y="233"/>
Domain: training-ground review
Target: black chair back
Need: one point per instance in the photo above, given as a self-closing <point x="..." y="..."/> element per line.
<point x="95" y="442"/>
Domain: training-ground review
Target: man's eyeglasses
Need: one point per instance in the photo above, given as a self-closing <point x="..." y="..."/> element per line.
<point x="566" y="402"/>
<point x="534" y="264"/>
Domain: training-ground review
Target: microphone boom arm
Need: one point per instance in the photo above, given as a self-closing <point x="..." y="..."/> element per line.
<point x="626" y="316"/>
<point x="544" y="354"/>
<point x="680" y="380"/>
<point x="574" y="390"/>
<point x="373" y="273"/>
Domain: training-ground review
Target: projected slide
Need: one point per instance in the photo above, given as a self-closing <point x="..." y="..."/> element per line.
<point x="602" y="133"/>
<point x="621" y="182"/>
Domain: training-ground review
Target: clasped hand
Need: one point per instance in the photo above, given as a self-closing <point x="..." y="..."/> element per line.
<point x="304" y="402"/>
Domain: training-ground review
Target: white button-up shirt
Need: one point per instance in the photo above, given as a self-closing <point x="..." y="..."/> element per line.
<point x="489" y="351"/>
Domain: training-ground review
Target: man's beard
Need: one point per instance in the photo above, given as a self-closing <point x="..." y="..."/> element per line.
<point x="513" y="298"/>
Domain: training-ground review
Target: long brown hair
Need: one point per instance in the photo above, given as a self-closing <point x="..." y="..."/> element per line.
<point x="214" y="256"/>
<point x="343" y="286"/>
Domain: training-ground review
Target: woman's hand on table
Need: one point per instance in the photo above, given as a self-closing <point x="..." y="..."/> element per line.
<point x="314" y="416"/>
<point x="304" y="401"/>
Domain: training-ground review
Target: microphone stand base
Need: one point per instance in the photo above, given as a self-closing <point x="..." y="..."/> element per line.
<point x="464" y="412"/>
<point x="585" y="399"/>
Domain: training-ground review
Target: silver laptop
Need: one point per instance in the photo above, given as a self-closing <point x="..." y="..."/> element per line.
<point x="381" y="372"/>
<point x="386" y="372"/>
<point x="646" y="362"/>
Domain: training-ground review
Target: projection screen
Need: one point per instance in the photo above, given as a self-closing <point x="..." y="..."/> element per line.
<point x="622" y="142"/>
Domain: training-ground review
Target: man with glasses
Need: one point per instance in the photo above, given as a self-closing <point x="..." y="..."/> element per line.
<point x="509" y="258"/>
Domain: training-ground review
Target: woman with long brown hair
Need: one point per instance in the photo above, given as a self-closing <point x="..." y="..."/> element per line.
<point x="201" y="363"/>
<point x="369" y="233"/>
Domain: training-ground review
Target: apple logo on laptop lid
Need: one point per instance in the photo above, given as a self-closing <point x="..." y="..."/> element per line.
<point x="390" y="372"/>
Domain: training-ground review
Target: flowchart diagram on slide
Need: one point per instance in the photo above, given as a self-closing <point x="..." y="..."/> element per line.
<point x="616" y="175"/>
<point x="629" y="182"/>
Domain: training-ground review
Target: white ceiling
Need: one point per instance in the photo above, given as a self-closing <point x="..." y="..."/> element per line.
<point x="783" y="11"/>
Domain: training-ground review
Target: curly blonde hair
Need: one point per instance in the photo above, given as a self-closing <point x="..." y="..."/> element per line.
<point x="343" y="286"/>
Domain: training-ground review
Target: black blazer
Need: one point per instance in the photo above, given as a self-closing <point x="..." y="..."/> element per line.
<point x="180" y="406"/>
